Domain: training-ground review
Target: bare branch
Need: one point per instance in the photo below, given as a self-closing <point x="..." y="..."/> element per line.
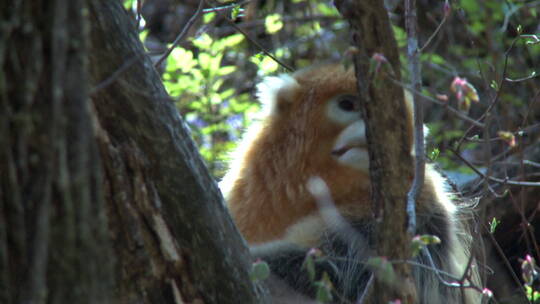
<point x="182" y="34"/>
<point x="498" y="180"/>
<point x="257" y="44"/>
<point x="419" y="149"/>
<point x="439" y="27"/>
<point x="450" y="109"/>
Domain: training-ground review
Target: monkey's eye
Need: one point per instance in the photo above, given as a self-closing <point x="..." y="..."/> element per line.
<point x="342" y="109"/>
<point x="347" y="103"/>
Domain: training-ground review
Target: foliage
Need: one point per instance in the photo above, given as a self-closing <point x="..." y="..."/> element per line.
<point x="215" y="112"/>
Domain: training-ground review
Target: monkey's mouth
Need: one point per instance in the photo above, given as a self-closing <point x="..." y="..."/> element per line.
<point x="341" y="151"/>
<point x="355" y="156"/>
<point x="350" y="148"/>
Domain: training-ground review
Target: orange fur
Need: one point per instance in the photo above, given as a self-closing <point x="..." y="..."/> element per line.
<point x="295" y="142"/>
<point x="266" y="189"/>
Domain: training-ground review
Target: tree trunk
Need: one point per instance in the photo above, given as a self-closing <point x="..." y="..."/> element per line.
<point x="54" y="246"/>
<point x="103" y="199"/>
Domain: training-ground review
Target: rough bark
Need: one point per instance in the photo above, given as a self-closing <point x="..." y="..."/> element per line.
<point x="102" y="200"/>
<point x="388" y="137"/>
<point x="53" y="235"/>
<point x="180" y="239"/>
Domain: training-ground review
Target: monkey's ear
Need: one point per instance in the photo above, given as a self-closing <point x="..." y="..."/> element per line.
<point x="277" y="93"/>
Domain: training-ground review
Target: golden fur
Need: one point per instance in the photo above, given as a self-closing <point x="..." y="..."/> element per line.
<point x="266" y="187"/>
<point x="276" y="166"/>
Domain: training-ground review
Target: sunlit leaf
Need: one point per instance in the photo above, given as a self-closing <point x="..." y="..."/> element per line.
<point x="273" y="23"/>
<point x="233" y="40"/>
<point x="208" y="17"/>
<point x="493" y="225"/>
<point x="225" y="70"/>
<point x="180" y="59"/>
<point x="204" y="41"/>
<point x="268" y="65"/>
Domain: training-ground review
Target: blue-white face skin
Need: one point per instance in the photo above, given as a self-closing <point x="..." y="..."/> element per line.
<point x="350" y="148"/>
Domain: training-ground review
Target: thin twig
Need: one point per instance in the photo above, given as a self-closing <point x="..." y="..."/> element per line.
<point x="225" y="7"/>
<point x="499" y="86"/>
<point x="258" y="45"/>
<point x="450" y="109"/>
<point x="419" y="149"/>
<point x="437" y="30"/>
<point x="533" y="75"/>
<point x="505" y="260"/>
<point x="498" y="180"/>
<point x="182" y="34"/>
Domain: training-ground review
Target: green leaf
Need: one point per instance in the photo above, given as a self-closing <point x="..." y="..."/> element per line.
<point x="128" y="4"/>
<point x="309" y="264"/>
<point x="226" y="70"/>
<point x="226" y="94"/>
<point x="433" y="58"/>
<point x="235" y="12"/>
<point x="273" y="23"/>
<point x="205" y="61"/>
<point x="434" y="154"/>
<point x="494" y="85"/>
<point x="233" y="40"/>
<point x="208" y="17"/>
<point x="268" y="65"/>
<point x="493" y="225"/>
<point x="143" y="34"/>
<point x="327" y="9"/>
<point x="204" y="41"/>
<point x="401" y="36"/>
<point x="382" y="269"/>
<point x="180" y="59"/>
<point x="324" y="289"/>
<point x="259" y="271"/>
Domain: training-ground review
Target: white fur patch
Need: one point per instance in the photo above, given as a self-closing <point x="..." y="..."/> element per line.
<point x="272" y="89"/>
<point x="353" y="145"/>
<point x="307" y="231"/>
<point x="237" y="158"/>
<point x="356" y="158"/>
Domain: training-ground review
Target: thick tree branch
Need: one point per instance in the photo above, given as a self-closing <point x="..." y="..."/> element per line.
<point x="54" y="245"/>
<point x="388" y="133"/>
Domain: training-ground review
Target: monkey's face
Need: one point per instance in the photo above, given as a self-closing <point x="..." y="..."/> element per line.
<point x="312" y="128"/>
<point x="323" y="107"/>
<point x="350" y="146"/>
<point x="315" y="129"/>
